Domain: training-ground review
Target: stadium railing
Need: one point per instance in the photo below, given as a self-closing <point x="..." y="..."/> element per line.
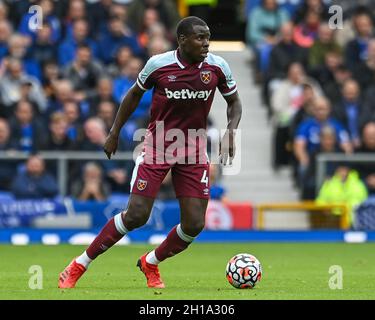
<point x="303" y="206"/>
<point x="62" y="159"/>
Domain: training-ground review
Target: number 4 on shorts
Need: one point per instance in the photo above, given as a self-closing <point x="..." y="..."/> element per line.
<point x="205" y="178"/>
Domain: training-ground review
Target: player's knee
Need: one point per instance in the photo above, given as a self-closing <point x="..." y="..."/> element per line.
<point x="194" y="227"/>
<point x="136" y="216"/>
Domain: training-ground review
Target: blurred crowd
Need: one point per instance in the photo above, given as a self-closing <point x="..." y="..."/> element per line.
<point x="317" y="75"/>
<point x="62" y="81"/>
<point x="61" y="85"/>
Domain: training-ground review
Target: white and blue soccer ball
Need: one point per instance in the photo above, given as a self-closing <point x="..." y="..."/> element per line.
<point x="244" y="271"/>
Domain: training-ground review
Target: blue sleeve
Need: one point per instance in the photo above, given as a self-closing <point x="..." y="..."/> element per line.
<point x="342" y="134"/>
<point x="254" y="34"/>
<point x="23" y="27"/>
<point x="120" y="86"/>
<point x="56" y="28"/>
<point x="33" y="69"/>
<point x="302" y="131"/>
<point x="66" y="53"/>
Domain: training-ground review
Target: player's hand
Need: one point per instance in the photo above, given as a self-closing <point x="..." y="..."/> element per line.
<point x="110" y="145"/>
<point x="227" y="149"/>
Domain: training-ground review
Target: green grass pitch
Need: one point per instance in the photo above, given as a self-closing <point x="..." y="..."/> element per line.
<point x="290" y="271"/>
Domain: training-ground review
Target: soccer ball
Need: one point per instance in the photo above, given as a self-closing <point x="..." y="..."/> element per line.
<point x="244" y="271"/>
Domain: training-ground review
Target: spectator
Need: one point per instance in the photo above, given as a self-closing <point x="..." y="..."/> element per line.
<point x="307" y="6"/>
<point x="27" y="129"/>
<point x="58" y="139"/>
<point x="67" y="49"/>
<point x="306" y="31"/>
<point x="98" y="15"/>
<point x="328" y="144"/>
<point x="47" y="7"/>
<point x="309" y="95"/>
<point x="75" y="128"/>
<point x="369" y="105"/>
<point x="83" y="72"/>
<point x="150" y="18"/>
<point x="286" y="100"/>
<point x="62" y="93"/>
<point x="43" y="49"/>
<point x="157" y="44"/>
<point x="17" y="48"/>
<point x="35" y="182"/>
<point x="7" y="167"/>
<point x="344" y="187"/>
<point x="11" y="84"/>
<point x="92" y="186"/>
<point x="166" y="10"/>
<point x="323" y="44"/>
<point x="367" y="170"/>
<point x="103" y="93"/>
<point x="284" y="53"/>
<point x="349" y="111"/>
<point x="121" y="85"/>
<point x="114" y="171"/>
<point x="356" y="49"/>
<point x="332" y="76"/>
<point x="118" y="35"/>
<point x="16" y="10"/>
<point x="6" y="31"/>
<point x="51" y="74"/>
<point x="306" y="140"/>
<point x="76" y="11"/>
<point x="4" y="12"/>
<point x="107" y="112"/>
<point x="123" y="56"/>
<point x="364" y="71"/>
<point x="262" y="26"/>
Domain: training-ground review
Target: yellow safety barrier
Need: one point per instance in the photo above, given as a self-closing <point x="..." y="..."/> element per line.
<point x="303" y="205"/>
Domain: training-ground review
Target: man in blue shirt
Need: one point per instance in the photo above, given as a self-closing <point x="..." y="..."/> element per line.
<point x="307" y="138"/>
<point x="349" y="111"/>
<point x="34" y="182"/>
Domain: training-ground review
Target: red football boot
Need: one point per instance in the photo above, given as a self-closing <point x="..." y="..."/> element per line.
<point x="69" y="277"/>
<point x="151" y="272"/>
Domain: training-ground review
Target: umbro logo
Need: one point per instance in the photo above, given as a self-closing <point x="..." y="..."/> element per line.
<point x="172" y="78"/>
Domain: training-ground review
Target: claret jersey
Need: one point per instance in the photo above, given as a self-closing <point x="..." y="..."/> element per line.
<point x="183" y="93"/>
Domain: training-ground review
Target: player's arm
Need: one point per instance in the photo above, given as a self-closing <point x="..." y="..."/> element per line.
<point x="227" y="146"/>
<point x="127" y="107"/>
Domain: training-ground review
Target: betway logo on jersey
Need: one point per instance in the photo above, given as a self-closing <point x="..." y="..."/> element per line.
<point x="187" y="94"/>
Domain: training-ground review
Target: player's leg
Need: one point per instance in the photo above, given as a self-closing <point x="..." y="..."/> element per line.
<point x="192" y="185"/>
<point x="193" y="212"/>
<point x="146" y="180"/>
<point x="135" y="216"/>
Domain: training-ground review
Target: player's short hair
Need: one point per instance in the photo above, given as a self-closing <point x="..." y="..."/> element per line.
<point x="185" y="26"/>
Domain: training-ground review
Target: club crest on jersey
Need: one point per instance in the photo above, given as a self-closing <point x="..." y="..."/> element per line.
<point x="206" y="76"/>
<point x="141" y="184"/>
